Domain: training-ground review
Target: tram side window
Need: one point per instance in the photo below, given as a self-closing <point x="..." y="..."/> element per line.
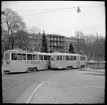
<point x="24" y="56"/>
<point x="63" y="57"/>
<point x="33" y="57"/>
<point x="19" y="56"/>
<point x="48" y="57"/>
<point x="45" y="57"/>
<point x="67" y="57"/>
<point x="81" y="58"/>
<point x="36" y="57"/>
<point x="14" y="56"/>
<point x="60" y="57"/>
<point x="29" y="56"/>
<point x="84" y="58"/>
<point x="74" y="57"/>
<point x="40" y="57"/>
<point x="57" y="57"/>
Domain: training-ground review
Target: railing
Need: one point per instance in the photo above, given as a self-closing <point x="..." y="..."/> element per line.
<point x="96" y="65"/>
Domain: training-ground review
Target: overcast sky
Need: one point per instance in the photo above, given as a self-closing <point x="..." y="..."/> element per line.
<point x="65" y="22"/>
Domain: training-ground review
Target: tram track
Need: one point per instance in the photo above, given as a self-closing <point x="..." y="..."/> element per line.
<point x="19" y="82"/>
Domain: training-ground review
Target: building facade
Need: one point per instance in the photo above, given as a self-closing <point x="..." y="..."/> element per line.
<point x="55" y="43"/>
<point x="69" y="40"/>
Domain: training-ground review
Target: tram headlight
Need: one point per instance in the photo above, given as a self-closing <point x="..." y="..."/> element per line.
<point x="7" y="62"/>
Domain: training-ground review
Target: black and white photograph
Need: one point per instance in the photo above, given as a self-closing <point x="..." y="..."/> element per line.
<point x="53" y="52"/>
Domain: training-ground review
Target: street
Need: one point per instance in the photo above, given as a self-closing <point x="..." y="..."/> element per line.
<point x="13" y="93"/>
<point x="14" y="85"/>
<point x="38" y="38"/>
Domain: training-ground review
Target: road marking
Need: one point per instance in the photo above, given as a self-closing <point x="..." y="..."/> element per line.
<point x="16" y="84"/>
<point x="34" y="92"/>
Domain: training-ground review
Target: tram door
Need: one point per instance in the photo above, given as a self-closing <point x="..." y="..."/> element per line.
<point x="49" y="62"/>
<point x="18" y="62"/>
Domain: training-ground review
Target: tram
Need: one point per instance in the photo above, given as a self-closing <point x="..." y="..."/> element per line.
<point x="22" y="61"/>
<point x="67" y="61"/>
<point x="18" y="60"/>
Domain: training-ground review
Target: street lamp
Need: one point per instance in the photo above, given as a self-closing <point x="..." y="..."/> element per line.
<point x="78" y="10"/>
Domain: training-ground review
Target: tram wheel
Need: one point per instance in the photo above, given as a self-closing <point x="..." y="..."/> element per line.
<point x="35" y="69"/>
<point x="69" y="67"/>
<point x="28" y="70"/>
<point x="82" y="66"/>
<point x="6" y="71"/>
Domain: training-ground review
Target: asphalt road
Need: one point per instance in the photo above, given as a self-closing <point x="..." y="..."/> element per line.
<point x="22" y="81"/>
<point x="13" y="85"/>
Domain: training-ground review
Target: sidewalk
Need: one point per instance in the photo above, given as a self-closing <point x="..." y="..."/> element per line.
<point x="59" y="93"/>
<point x="90" y="69"/>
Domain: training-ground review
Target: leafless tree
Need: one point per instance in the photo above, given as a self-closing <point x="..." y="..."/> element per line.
<point x="11" y="23"/>
<point x="35" y="30"/>
<point x="80" y="46"/>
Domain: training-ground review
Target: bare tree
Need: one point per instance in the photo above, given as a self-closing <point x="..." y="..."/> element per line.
<point x="35" y="30"/>
<point x="80" y="46"/>
<point x="11" y="23"/>
<point x="22" y="39"/>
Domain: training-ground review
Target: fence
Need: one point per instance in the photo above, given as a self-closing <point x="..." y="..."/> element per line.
<point x="96" y="65"/>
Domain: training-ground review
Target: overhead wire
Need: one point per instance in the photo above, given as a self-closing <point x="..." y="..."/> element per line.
<point x="52" y="10"/>
<point x="55" y="10"/>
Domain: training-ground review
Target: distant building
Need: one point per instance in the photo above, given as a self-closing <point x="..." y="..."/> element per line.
<point x="56" y="43"/>
<point x="69" y="40"/>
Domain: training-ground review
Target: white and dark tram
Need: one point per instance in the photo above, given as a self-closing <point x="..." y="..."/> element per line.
<point x="23" y="61"/>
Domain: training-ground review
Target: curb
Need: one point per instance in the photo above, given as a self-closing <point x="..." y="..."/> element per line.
<point x="25" y="96"/>
<point x="34" y="92"/>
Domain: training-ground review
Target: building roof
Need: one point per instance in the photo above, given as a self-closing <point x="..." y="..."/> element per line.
<point x="55" y="35"/>
<point x="35" y="36"/>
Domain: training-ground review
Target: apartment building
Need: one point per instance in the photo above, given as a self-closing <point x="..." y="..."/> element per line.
<point x="55" y="43"/>
<point x="69" y="40"/>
